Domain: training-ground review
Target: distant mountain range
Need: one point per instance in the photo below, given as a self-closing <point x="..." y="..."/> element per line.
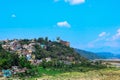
<point x="87" y="54"/>
<point x="99" y="55"/>
<point x="117" y="55"/>
<point x="106" y="55"/>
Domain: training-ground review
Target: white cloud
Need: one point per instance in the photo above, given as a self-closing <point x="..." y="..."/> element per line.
<point x="74" y="2"/>
<point x="117" y="35"/>
<point x="56" y="0"/>
<point x="96" y="43"/>
<point x="101" y="40"/>
<point x="13" y="15"/>
<point x="63" y="24"/>
<point x="105" y="42"/>
<point x="102" y="34"/>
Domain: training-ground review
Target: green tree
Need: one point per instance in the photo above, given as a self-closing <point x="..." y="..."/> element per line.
<point x="46" y="39"/>
<point x="41" y="40"/>
<point x="24" y="63"/>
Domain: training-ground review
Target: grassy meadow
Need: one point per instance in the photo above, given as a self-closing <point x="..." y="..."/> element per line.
<point x="103" y="74"/>
<point x="47" y="74"/>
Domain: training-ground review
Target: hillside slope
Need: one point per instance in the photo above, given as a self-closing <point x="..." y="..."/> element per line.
<point x="36" y="50"/>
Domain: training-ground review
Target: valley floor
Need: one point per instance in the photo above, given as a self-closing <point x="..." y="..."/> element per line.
<point x="105" y="74"/>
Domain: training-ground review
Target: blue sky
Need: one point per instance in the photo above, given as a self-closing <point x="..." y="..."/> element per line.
<point x="92" y="25"/>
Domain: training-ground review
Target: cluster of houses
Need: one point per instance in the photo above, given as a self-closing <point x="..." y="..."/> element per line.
<point x="26" y="49"/>
<point x="14" y="46"/>
<point x="13" y="71"/>
<point x="23" y="50"/>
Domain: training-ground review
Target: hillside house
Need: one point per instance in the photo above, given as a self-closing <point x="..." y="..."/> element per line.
<point x="43" y="46"/>
<point x="48" y="59"/>
<point x="28" y="57"/>
<point x="6" y="73"/>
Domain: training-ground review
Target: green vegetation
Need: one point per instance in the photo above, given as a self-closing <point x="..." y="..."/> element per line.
<point x="91" y="75"/>
<point x="7" y="60"/>
<point x="102" y="74"/>
<point x="56" y="59"/>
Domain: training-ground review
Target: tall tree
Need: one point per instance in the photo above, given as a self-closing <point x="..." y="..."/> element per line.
<point x="46" y="39"/>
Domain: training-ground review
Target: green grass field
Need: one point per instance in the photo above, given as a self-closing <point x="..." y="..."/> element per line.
<point x="48" y="74"/>
<point x="103" y="74"/>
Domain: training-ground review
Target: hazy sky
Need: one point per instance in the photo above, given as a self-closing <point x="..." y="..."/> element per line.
<point x="92" y="25"/>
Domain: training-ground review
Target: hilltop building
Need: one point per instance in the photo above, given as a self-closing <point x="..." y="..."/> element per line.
<point x="65" y="43"/>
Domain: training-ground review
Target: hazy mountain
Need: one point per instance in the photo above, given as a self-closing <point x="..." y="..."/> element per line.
<point x="106" y="55"/>
<point x="87" y="54"/>
<point x="117" y="56"/>
<point x="98" y="55"/>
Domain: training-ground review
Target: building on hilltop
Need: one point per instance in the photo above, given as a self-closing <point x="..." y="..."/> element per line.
<point x="65" y="43"/>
